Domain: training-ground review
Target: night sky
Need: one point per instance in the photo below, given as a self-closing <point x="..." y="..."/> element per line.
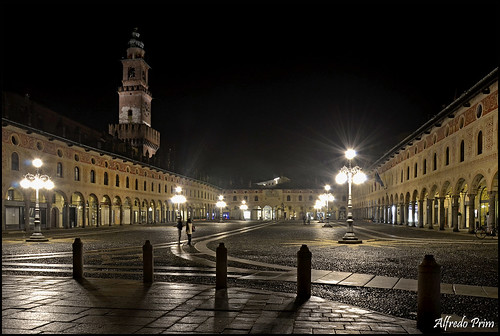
<point x="250" y="92"/>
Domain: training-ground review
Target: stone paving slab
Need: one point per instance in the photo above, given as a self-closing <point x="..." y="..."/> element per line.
<point x="382" y="282"/>
<point x="491" y="291"/>
<point x="356" y="279"/>
<point x="469" y="290"/>
<point x="406" y="284"/>
<point x="114" y="306"/>
<point x="333" y="277"/>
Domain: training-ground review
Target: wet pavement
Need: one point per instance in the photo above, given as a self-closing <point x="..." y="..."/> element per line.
<point x="260" y="297"/>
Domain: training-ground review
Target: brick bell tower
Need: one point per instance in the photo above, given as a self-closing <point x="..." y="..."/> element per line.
<point x="134" y="115"/>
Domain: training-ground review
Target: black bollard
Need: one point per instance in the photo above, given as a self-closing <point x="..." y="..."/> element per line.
<point x="77" y="259"/>
<point x="428" y="294"/>
<point x="221" y="267"/>
<point x="147" y="260"/>
<point x="304" y="273"/>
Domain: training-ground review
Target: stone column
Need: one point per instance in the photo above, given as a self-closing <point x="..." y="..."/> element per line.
<point x="421" y="213"/>
<point x="66" y="223"/>
<point x="454" y="213"/>
<point x="121" y="214"/>
<point x="429" y="212"/>
<point x="413" y="204"/>
<point x="84" y="213"/>
<point x="435" y="212"/>
<point x="402" y="213"/>
<point x="441" y="213"/>
<point x="491" y="210"/>
<point x="27" y="203"/>
<point x="472" y="224"/>
<point x="407" y="214"/>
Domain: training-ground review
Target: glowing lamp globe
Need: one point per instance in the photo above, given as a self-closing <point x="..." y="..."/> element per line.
<point x="359" y="178"/>
<point x="341" y="178"/>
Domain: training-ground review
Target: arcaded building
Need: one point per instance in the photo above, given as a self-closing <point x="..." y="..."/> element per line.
<point x="443" y="175"/>
<point x="116" y="177"/>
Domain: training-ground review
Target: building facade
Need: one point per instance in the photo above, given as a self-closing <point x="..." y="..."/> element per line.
<point x="445" y="174"/>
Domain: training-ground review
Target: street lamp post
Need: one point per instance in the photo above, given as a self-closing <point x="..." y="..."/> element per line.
<point x="178" y="199"/>
<point x="37" y="182"/>
<point x="326" y="197"/>
<point x="243" y="207"/>
<point x="351" y="174"/>
<point x="221" y="204"/>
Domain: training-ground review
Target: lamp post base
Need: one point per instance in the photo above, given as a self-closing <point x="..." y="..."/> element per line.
<point x="37" y="237"/>
<point x="350" y="238"/>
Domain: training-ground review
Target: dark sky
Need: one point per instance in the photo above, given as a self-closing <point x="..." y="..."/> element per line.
<point x="255" y="91"/>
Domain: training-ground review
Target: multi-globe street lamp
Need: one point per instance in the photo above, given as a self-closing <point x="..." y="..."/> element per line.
<point x="37" y="182"/>
<point x="243" y="208"/>
<point x="178" y="199"/>
<point x="221" y="204"/>
<point x="351" y="174"/>
<point x="327" y="197"/>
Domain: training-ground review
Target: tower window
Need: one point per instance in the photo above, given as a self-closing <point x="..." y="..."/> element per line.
<point x="105" y="178"/>
<point x="92" y="176"/>
<point x="127" y="183"/>
<point x="131" y="72"/>
<point x="447" y="158"/>
<point x="117" y="182"/>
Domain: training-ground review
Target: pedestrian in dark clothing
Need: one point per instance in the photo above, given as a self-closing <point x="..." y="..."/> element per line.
<point x="309" y="221"/>
<point x="179" y="229"/>
<point x="189" y="230"/>
<point x="304" y="220"/>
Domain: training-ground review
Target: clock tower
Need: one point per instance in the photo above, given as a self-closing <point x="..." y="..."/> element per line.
<point x="134" y="115"/>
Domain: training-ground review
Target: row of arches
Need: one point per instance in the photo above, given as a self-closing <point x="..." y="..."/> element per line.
<point x="462" y="205"/>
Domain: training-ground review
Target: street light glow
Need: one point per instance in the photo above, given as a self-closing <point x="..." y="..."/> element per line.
<point x="341" y="178"/>
<point x="37" y="163"/>
<point x="350" y="154"/>
<point x="359" y="177"/>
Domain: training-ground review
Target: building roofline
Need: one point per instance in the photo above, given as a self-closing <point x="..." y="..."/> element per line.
<point x="448" y="110"/>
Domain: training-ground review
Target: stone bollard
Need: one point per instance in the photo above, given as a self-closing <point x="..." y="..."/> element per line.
<point x="304" y="273"/>
<point x="147" y="260"/>
<point x="77" y="259"/>
<point x="428" y="294"/>
<point x="221" y="267"/>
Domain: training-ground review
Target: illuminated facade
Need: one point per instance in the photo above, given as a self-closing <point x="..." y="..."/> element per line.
<point x="445" y="174"/>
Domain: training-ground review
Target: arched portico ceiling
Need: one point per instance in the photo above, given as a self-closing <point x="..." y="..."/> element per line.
<point x="117" y="200"/>
<point x="494" y="183"/>
<point x="106" y="200"/>
<point x="77" y="197"/>
<point x="415" y="195"/>
<point x="17" y="194"/>
<point x="460" y="186"/>
<point x="476" y="182"/>
<point x="424" y="193"/>
<point x="445" y="189"/>
<point x="127" y="202"/>
<point x="434" y="190"/>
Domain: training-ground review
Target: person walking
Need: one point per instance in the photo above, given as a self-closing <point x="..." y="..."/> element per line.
<point x="179" y="229"/>
<point x="189" y="230"/>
